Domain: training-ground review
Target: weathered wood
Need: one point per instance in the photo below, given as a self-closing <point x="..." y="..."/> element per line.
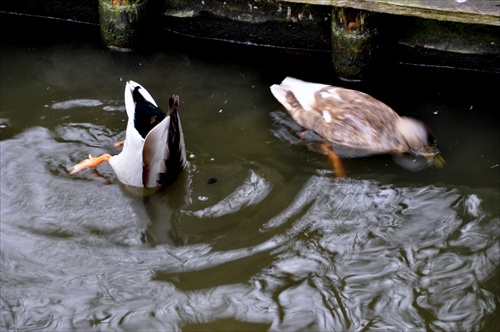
<point x="463" y="11"/>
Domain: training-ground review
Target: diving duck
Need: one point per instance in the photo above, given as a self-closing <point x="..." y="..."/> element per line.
<point x="356" y="124"/>
<point x="153" y="152"/>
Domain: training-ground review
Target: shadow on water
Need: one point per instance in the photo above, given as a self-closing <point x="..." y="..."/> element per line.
<point x="257" y="233"/>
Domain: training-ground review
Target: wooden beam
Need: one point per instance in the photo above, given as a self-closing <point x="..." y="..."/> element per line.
<point x="463" y="11"/>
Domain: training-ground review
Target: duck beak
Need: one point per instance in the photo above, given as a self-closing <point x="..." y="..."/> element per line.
<point x="433" y="157"/>
<point x="418" y="161"/>
<point x="437" y="161"/>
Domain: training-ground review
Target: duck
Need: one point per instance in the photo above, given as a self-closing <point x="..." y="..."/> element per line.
<point x="354" y="124"/>
<point x="154" y="151"/>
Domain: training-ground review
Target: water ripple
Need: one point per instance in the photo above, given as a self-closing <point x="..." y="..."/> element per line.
<point x="72" y="103"/>
<point x="253" y="190"/>
<point x="337" y="254"/>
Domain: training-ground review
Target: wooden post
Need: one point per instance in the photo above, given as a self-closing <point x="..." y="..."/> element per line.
<point x="123" y="23"/>
<point x="354" y="43"/>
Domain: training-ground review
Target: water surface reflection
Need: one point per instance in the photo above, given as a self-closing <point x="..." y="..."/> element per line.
<point x="276" y="243"/>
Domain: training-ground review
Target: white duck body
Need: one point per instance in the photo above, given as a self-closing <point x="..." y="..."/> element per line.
<point x="143" y="161"/>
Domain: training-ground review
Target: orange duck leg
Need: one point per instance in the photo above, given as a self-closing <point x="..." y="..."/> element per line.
<point x="335" y="160"/>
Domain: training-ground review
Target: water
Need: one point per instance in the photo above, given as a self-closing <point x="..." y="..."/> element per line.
<point x="277" y="242"/>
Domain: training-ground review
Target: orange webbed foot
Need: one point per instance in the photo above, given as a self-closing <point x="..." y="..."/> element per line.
<point x="90" y="162"/>
<point x="117" y="144"/>
<point x="335" y="160"/>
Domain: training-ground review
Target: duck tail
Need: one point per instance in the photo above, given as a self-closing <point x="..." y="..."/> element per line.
<point x="287" y="98"/>
<point x="175" y="160"/>
<point x="173" y="105"/>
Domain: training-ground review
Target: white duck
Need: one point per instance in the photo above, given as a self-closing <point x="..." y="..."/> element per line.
<point x="153" y="152"/>
<point x="356" y="124"/>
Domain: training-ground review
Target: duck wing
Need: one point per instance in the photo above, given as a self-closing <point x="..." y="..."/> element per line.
<point x="355" y="122"/>
<point x="164" y="151"/>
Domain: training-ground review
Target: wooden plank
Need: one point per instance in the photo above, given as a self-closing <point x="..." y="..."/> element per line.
<point x="464" y="11"/>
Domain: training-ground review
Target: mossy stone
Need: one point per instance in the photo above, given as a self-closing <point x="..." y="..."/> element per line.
<point x="123" y="26"/>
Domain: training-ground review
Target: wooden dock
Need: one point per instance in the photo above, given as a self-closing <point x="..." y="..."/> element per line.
<point x="462" y="11"/>
<point x="359" y="34"/>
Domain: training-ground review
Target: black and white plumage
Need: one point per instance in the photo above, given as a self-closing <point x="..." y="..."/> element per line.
<point x="146" y="113"/>
<point x="154" y="152"/>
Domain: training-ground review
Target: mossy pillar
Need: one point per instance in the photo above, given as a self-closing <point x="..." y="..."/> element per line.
<point x="354" y="43"/>
<point x="123" y="23"/>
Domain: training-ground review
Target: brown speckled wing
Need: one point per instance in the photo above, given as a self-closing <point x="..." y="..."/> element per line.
<point x="358" y="123"/>
<point x="307" y="119"/>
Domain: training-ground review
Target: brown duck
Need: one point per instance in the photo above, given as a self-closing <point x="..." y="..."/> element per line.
<point x="356" y="124"/>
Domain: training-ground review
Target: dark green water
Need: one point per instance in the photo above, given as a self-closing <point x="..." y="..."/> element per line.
<point x="277" y="243"/>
